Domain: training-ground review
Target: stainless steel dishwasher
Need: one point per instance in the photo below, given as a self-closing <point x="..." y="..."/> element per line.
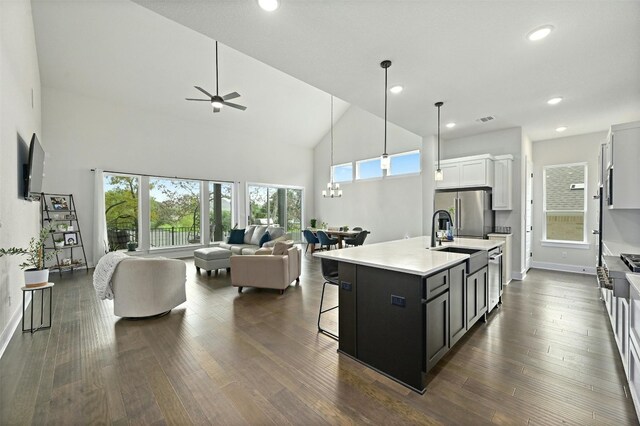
<point x="495" y="277"/>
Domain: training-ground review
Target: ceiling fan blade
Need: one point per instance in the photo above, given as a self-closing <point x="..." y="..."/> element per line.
<point x="216" y="110"/>
<point x="192" y="99"/>
<point x="240" y="107"/>
<point x="231" y="96"/>
<point x="204" y="91"/>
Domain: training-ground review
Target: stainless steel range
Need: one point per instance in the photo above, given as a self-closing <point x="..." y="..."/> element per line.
<point x="632" y="261"/>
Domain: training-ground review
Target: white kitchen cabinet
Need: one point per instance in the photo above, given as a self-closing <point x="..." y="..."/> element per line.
<point x="502" y="196"/>
<point x="467" y="172"/>
<point x="506" y="255"/>
<point x="622" y="329"/>
<point x="622" y="153"/>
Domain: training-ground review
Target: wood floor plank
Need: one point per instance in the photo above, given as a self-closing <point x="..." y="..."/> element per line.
<point x="546" y="356"/>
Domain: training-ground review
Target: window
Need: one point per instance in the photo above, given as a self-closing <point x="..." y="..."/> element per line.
<point x="368" y="169"/>
<point x="565" y="203"/>
<point x="343" y="172"/>
<point x="220" y="210"/>
<point x="276" y="205"/>
<point x="174" y="212"/>
<point x="405" y="163"/>
<point x="121" y="194"/>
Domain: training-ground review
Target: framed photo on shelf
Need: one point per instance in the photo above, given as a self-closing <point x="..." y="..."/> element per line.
<point x="70" y="238"/>
<point x="59" y="203"/>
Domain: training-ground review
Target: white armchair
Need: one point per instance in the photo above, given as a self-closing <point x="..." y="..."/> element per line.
<point x="267" y="270"/>
<point x="146" y="287"/>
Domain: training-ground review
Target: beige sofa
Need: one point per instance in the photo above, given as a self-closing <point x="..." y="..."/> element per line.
<point x="267" y="270"/>
<point x="252" y="236"/>
<point x="147" y="287"/>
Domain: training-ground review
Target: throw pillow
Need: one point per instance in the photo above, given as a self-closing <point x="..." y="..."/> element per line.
<point x="236" y="236"/>
<point x="248" y="233"/>
<point x="257" y="234"/>
<point x="266" y="237"/>
<point x="272" y="242"/>
<point x="282" y="248"/>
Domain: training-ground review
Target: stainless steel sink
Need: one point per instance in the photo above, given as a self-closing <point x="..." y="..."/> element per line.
<point x="477" y="258"/>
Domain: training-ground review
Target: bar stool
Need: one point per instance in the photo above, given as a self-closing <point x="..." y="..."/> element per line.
<point x="330" y="274"/>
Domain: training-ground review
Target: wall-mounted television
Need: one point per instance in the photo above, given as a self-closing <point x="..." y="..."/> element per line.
<point x="34" y="169"/>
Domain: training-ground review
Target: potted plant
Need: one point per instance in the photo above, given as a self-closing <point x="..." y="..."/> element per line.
<point x="58" y="242"/>
<point x="35" y="272"/>
<point x="313" y="222"/>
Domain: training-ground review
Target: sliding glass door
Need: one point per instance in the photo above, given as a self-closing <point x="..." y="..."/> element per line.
<point x="276" y="205"/>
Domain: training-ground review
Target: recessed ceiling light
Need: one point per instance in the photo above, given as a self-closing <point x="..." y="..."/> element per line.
<point x="269" y="5"/>
<point x="554" y="101"/>
<point x="540" y="33"/>
<point x="561" y="129"/>
<point x="451" y="125"/>
<point x="396" y="89"/>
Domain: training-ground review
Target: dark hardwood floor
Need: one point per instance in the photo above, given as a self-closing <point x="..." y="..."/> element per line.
<point x="547" y="356"/>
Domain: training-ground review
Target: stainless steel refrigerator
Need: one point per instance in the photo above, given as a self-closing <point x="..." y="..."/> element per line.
<point x="470" y="210"/>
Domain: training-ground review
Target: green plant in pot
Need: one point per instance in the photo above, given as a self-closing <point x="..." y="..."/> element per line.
<point x="35" y="272"/>
<point x="59" y="242"/>
<point x="314" y="222"/>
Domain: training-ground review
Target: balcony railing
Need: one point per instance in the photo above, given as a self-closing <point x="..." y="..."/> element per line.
<point x="165" y="237"/>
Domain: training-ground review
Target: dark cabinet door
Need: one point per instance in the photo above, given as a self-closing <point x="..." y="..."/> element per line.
<point x="477" y="292"/>
<point x="457" y="303"/>
<point x="347" y="308"/>
<point x="437" y="329"/>
<point x="483" y="291"/>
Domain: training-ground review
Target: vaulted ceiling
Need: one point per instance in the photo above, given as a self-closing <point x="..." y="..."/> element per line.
<point x="472" y="55"/>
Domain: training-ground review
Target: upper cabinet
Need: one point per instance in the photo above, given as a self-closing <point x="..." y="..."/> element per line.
<point x="466" y="172"/>
<point x="622" y="160"/>
<point x="502" y="198"/>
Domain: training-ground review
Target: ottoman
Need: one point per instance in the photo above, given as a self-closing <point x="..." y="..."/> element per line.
<point x="212" y="259"/>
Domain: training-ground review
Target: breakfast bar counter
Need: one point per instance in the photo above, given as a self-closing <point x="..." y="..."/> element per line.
<point x="402" y="305"/>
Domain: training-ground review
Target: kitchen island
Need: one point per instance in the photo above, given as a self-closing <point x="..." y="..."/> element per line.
<point x="402" y="306"/>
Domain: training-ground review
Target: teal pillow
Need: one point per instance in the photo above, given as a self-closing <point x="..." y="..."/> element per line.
<point x="236" y="236"/>
<point x="266" y="237"/>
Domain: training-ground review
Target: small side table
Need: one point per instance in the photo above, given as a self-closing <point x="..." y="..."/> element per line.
<point x="41" y="289"/>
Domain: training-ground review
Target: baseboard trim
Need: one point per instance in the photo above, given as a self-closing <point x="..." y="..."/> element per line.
<point x="12" y="326"/>
<point x="519" y="276"/>
<point x="561" y="267"/>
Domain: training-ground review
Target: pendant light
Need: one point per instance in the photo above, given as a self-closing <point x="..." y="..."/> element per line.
<point x="439" y="175"/>
<point x="333" y="189"/>
<point x="385" y="161"/>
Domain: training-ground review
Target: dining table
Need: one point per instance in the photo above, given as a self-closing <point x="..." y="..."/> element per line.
<point x="340" y="235"/>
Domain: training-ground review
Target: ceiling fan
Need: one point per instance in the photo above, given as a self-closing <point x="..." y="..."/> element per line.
<point x="217" y="101"/>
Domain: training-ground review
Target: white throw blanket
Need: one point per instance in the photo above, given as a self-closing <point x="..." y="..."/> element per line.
<point x="103" y="272"/>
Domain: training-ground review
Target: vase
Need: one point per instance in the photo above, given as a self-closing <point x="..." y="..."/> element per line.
<point x="36" y="277"/>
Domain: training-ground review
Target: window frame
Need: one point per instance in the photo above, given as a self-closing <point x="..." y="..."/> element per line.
<point x="277" y="186"/>
<point x="565" y="243"/>
<point x="333" y="172"/>
<point x="402" y="154"/>
<point x="357" y="169"/>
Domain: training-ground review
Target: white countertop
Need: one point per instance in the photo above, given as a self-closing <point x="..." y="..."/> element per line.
<point x="634" y="280"/>
<point x="614" y="248"/>
<point x="410" y="255"/>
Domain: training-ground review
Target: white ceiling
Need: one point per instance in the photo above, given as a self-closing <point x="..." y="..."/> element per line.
<point x="125" y="54"/>
<point x="472" y="55"/>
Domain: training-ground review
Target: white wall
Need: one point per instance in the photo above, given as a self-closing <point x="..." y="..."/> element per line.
<point x="572" y="149"/>
<point x="508" y="141"/>
<point x="391" y="208"/>
<point x="84" y="133"/>
<point x="19" y="119"/>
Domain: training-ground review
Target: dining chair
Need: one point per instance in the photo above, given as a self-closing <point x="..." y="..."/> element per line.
<point x="358" y="240"/>
<point x="325" y="241"/>
<point x="311" y="240"/>
<point x="330" y="274"/>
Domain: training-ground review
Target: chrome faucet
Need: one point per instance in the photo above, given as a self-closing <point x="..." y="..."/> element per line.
<point x="433" y="220"/>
